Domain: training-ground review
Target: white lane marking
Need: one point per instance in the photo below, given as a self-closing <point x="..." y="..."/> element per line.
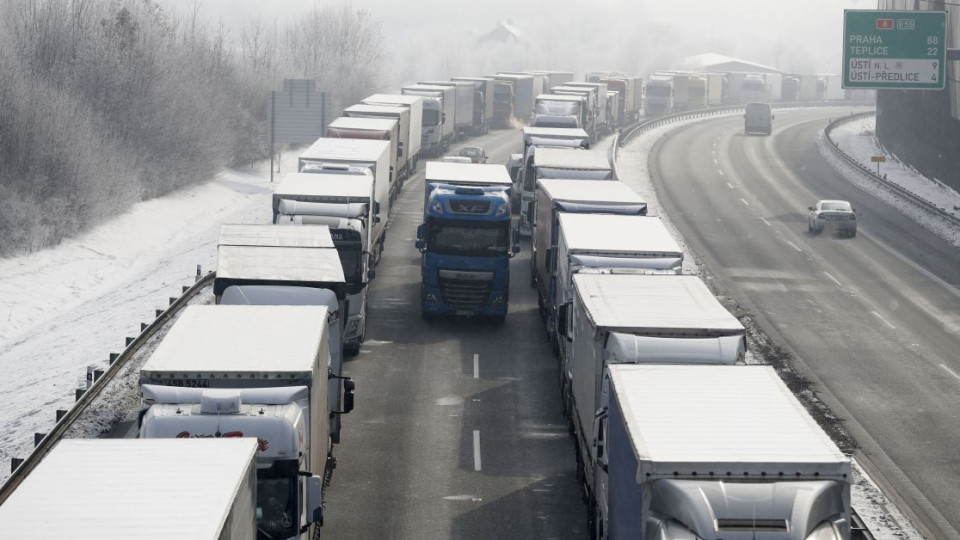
<point x="950" y="371"/>
<point x="833" y="279"/>
<point x="476" y="366"/>
<point x="930" y="275"/>
<point x="794" y="246"/>
<point x="886" y="322"/>
<point x="476" y="450"/>
<point x="744" y="201"/>
<point x="720" y="172"/>
<point x="715" y="161"/>
<point x="763" y="219"/>
<point x="729" y="185"/>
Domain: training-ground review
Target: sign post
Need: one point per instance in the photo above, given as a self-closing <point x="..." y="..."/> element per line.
<point x="903" y="50"/>
<point x="878" y="160"/>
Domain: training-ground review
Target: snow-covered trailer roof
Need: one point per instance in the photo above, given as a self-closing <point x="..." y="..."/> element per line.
<point x="554" y="133"/>
<point x="566" y="158"/>
<point x="617" y="235"/>
<point x="486" y="174"/>
<point x="387" y="99"/>
<point x="107" y="489"/>
<point x="319" y="187"/>
<point x="316" y="236"/>
<point x="741" y="420"/>
<point x="345" y="150"/>
<point x="589" y="191"/>
<point x="366" y="108"/>
<point x="365" y="124"/>
<point x="268" y="265"/>
<point x="274" y="341"/>
<point x="661" y="305"/>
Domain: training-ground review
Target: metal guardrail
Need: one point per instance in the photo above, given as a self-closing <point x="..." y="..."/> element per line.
<point x="880" y="180"/>
<point x="91" y="394"/>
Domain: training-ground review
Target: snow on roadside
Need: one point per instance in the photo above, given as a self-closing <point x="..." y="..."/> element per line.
<point x="857" y="139"/>
<point x="883" y="519"/>
<point x="67" y="307"/>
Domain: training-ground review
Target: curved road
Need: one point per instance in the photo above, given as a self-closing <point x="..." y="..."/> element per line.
<point x="873" y="321"/>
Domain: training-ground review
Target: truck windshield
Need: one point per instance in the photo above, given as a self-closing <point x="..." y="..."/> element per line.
<point x="350" y="260"/>
<point x="431" y="117"/>
<point x="468" y="238"/>
<point x="557" y="107"/>
<point x="277" y="507"/>
<point x="659" y="91"/>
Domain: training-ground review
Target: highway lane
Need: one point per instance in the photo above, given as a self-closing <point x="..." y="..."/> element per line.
<point x="458" y="430"/>
<point x="873" y="320"/>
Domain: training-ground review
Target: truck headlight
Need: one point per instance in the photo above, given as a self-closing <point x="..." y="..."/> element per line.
<point x="353" y="326"/>
<point x="503" y="210"/>
<point x="431" y="297"/>
<point x="497" y="301"/>
<point x="436" y="207"/>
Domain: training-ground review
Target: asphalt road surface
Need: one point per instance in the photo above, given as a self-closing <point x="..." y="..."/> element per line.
<point x="458" y="430"/>
<point x="873" y="321"/>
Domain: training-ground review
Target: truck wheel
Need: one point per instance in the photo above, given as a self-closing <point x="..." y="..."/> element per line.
<point x="352" y="349"/>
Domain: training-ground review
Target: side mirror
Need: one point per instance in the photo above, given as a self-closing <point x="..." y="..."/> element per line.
<point x="315" y="499"/>
<point x="515" y="249"/>
<point x="530" y="209"/>
<point x="377" y="219"/>
<point x="443" y="118"/>
<point x="348" y="387"/>
<point x="376" y="208"/>
<point x="552" y="259"/>
<point x="420" y="231"/>
<point x="421" y="245"/>
<point x="563" y="315"/>
<point x="371" y="274"/>
<point x="772" y="116"/>
<point x="810" y="208"/>
<point x="516" y="237"/>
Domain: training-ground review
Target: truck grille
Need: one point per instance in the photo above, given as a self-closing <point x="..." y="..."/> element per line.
<point x="465" y="290"/>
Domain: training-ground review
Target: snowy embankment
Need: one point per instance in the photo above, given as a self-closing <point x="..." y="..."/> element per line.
<point x="882" y="518"/>
<point x="65" y="308"/>
<point x="858" y="139"/>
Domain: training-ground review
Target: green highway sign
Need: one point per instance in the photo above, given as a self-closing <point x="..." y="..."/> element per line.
<point x="903" y="50"/>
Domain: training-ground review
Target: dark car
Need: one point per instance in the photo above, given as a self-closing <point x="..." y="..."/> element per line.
<point x="475" y="153"/>
<point x="835" y="215"/>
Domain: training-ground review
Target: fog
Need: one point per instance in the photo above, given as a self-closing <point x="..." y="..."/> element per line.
<point x="438" y="38"/>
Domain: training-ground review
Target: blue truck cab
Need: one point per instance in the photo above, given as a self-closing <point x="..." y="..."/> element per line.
<point x="466" y="240"/>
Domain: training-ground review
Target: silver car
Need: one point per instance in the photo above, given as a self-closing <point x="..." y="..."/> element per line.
<point x="832" y="214"/>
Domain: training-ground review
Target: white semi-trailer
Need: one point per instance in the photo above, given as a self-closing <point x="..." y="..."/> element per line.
<point x="611" y="242"/>
<point x="128" y="488"/>
<point x="482" y="102"/>
<point x="350" y="156"/>
<point x="556" y="196"/>
<point x="437" y="131"/>
<point x="557" y="163"/>
<point x="711" y="452"/>
<point x="636" y="319"/>
<point x="346" y="205"/>
<point x="463" y="105"/>
<point x="360" y="125"/>
<point x="257" y="371"/>
<point x="410" y="151"/>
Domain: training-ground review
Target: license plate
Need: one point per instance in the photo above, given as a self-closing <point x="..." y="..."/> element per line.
<point x="463" y="313"/>
<point x="187" y="383"/>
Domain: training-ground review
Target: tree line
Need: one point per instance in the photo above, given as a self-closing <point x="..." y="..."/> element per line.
<point x="107" y="103"/>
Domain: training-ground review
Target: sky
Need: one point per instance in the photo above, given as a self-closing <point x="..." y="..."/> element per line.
<point x="631" y="35"/>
